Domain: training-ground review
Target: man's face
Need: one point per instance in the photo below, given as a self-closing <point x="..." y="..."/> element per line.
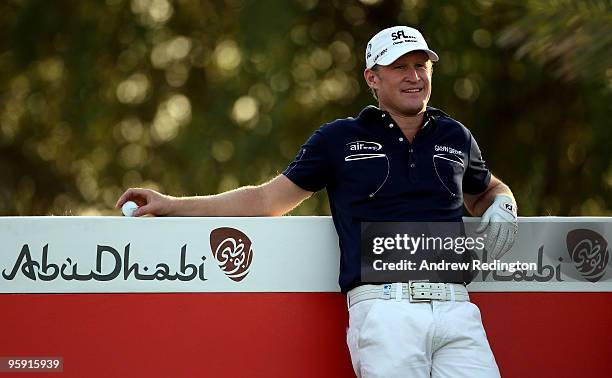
<point x="404" y="86"/>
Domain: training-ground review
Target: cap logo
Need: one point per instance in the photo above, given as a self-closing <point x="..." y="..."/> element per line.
<point x="391" y="43"/>
<point x="400" y="34"/>
<point x="380" y="54"/>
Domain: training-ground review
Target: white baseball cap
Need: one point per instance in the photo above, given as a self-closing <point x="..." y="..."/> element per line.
<point x="391" y="43"/>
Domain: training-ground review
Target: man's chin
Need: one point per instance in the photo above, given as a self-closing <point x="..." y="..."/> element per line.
<point x="412" y="111"/>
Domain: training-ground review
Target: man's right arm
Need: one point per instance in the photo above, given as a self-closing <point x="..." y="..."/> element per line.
<point x="276" y="197"/>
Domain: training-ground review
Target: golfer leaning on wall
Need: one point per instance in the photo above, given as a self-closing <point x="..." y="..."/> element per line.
<point x="388" y="335"/>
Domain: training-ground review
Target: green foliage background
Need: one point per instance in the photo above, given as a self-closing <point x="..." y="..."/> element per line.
<point x="196" y="97"/>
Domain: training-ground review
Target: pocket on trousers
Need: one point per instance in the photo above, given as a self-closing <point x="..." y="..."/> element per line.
<point x="358" y="317"/>
<point x="351" y="341"/>
<point x="476" y="311"/>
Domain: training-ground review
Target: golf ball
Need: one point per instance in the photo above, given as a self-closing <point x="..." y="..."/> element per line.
<point x="128" y="208"/>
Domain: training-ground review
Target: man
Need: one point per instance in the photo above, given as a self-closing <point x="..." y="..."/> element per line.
<point x="400" y="161"/>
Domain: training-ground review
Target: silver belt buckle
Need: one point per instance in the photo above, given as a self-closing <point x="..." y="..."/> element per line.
<point x="411" y="293"/>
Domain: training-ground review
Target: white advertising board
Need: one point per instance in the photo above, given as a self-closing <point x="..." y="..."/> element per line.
<point x="271" y="254"/>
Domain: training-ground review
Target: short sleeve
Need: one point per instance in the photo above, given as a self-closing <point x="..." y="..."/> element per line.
<point x="310" y="168"/>
<point x="477" y="176"/>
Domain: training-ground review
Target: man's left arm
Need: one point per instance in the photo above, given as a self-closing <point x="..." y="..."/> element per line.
<point x="477" y="204"/>
<point x="497" y="207"/>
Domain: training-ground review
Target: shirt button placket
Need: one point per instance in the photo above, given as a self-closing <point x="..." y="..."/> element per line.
<point x="412" y="170"/>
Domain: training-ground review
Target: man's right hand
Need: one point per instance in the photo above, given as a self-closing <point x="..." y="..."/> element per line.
<point x="148" y="201"/>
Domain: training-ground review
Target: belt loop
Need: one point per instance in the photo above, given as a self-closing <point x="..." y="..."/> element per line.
<point x="452" y="291"/>
<point x="398" y="291"/>
<point x="387" y="291"/>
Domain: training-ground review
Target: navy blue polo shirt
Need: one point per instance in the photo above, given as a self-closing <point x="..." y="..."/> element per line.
<point x="373" y="173"/>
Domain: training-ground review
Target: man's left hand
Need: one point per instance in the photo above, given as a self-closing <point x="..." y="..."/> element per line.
<point x="500" y="222"/>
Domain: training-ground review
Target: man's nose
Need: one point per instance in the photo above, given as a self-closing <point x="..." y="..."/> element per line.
<point x="411" y="75"/>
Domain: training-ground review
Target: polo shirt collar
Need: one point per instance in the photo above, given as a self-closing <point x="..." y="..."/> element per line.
<point x="372" y="115"/>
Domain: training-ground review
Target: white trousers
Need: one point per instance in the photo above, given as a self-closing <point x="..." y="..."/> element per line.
<point x="440" y="339"/>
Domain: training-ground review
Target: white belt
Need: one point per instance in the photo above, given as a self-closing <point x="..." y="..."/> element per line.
<point x="414" y="291"/>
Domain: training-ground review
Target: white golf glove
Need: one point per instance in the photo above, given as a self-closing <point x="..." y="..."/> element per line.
<point x="500" y="224"/>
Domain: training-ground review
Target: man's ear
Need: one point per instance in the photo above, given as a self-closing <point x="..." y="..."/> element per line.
<point x="371" y="78"/>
